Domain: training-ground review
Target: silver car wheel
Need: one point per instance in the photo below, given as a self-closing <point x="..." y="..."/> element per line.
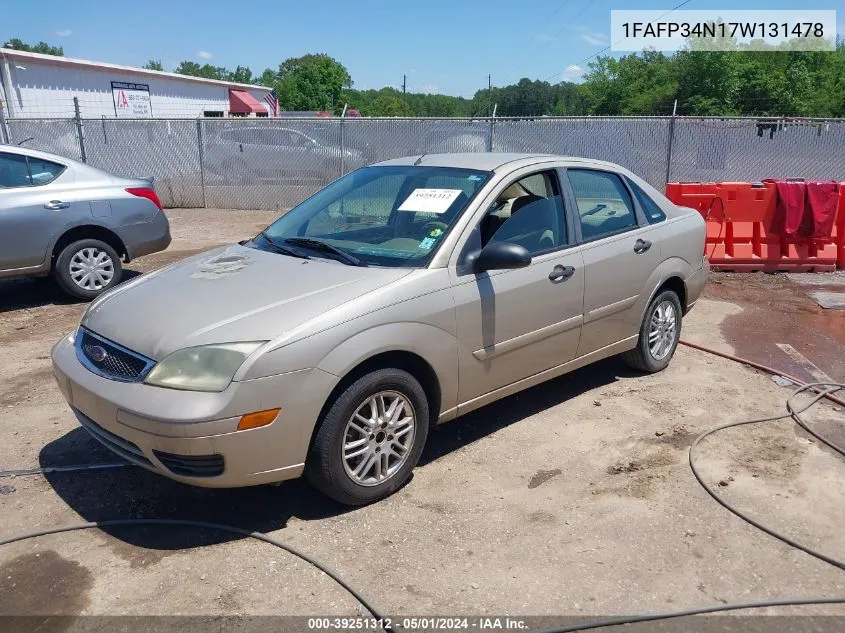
<point x="378" y="438"/>
<point x="662" y="330"/>
<point x="91" y="268"/>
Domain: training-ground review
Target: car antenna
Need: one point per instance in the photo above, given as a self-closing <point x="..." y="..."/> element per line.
<point x="419" y="160"/>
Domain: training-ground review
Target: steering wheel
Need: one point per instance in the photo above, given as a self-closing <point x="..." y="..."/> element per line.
<point x="428" y="227"/>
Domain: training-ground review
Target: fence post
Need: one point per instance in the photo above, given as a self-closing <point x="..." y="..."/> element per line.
<point x="202" y="162"/>
<point x="4" y="130"/>
<point x="490" y="142"/>
<point x="342" y="142"/>
<point x="80" y="130"/>
<point x="669" y="144"/>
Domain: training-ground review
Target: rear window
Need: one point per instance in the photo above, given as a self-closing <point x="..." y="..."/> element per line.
<point x="652" y="211"/>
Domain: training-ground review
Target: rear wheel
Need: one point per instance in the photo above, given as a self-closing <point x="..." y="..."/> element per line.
<point x="659" y="334"/>
<point x="370" y="438"/>
<point x="87" y="268"/>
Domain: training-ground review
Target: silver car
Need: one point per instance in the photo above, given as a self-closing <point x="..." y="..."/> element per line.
<point x="242" y="155"/>
<point x="401" y="296"/>
<point x="77" y="222"/>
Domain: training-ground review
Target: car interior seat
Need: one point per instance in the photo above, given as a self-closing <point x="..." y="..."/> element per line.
<point x="532" y="224"/>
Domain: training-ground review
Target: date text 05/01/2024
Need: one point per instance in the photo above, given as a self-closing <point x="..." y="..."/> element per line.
<point x="425" y="623"/>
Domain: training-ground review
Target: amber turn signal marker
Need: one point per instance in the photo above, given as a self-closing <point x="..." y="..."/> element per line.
<point x="258" y="418"/>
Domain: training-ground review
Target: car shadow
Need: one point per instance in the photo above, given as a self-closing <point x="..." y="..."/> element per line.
<point x="132" y="492"/>
<point x="17" y="294"/>
<point x="488" y="419"/>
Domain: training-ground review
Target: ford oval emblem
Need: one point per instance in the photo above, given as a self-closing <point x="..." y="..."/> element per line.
<point x="97" y="354"/>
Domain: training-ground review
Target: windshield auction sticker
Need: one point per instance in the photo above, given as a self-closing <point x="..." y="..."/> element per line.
<point x="430" y="200"/>
<point x="723" y="30"/>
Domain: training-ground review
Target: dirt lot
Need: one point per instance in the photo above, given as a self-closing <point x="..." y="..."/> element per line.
<point x="572" y="498"/>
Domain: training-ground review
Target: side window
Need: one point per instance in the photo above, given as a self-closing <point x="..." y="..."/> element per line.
<point x="653" y="212"/>
<point x="13" y="171"/>
<point x="604" y="205"/>
<point x="43" y="171"/>
<point x="529" y="212"/>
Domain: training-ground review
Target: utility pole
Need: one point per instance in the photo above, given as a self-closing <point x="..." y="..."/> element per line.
<point x="489" y="93"/>
<point x="404" y="98"/>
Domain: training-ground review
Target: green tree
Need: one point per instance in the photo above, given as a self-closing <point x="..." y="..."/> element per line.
<point x="312" y="82"/>
<point x="206" y="70"/>
<point x="153" y="64"/>
<point x="386" y="105"/>
<point x="42" y="47"/>
<point x="241" y="75"/>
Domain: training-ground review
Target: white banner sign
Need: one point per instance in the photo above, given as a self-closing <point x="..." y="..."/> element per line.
<point x="131" y="101"/>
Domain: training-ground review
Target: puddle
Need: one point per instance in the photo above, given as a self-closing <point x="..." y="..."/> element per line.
<point x="778" y="310"/>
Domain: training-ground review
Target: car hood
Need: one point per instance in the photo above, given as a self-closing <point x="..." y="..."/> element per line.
<point x="228" y="294"/>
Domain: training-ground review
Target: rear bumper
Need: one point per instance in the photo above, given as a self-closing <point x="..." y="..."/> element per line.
<point x="192" y="437"/>
<point x="148" y="237"/>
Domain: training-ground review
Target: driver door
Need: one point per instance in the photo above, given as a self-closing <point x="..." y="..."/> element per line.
<point x="512" y="324"/>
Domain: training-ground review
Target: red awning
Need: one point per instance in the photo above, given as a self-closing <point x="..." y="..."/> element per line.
<point x="241" y="102"/>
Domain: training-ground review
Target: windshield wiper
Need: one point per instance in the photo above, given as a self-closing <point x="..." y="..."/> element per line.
<point x="280" y="248"/>
<point x="325" y="247"/>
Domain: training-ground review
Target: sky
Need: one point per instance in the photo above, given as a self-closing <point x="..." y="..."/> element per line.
<point x="446" y="47"/>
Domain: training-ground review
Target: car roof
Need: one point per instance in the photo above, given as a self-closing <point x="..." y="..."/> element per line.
<point x="35" y="153"/>
<point x="491" y="161"/>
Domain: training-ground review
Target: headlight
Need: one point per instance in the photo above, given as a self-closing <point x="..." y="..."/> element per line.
<point x="204" y="368"/>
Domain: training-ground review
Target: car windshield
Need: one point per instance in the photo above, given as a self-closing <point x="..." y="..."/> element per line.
<point x="393" y="216"/>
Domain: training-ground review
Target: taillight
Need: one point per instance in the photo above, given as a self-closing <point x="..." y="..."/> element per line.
<point x="145" y="192"/>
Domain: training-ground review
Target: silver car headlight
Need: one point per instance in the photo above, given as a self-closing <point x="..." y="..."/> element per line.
<point x="203" y="368"/>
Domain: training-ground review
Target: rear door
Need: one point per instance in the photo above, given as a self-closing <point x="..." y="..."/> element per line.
<point x="620" y="249"/>
<point x="35" y="205"/>
<point x="512" y="324"/>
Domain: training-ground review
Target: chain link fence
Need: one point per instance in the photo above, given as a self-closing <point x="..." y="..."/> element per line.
<point x="275" y="163"/>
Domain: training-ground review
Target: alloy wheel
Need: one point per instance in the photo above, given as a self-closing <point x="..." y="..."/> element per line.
<point x="378" y="438"/>
<point x="662" y="330"/>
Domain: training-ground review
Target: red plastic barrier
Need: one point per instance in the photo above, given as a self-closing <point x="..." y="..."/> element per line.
<point x="746" y="231"/>
<point x="839" y="228"/>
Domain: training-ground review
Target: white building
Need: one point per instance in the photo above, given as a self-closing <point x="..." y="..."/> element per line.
<point x="44" y="86"/>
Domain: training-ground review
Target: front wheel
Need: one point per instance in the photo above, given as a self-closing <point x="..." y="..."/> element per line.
<point x="659" y="334"/>
<point x="370" y="439"/>
<point x="87" y="268"/>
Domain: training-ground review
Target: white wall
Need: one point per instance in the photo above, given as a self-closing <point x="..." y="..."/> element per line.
<point x="42" y="90"/>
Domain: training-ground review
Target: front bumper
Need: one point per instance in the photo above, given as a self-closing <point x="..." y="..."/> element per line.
<point x="190" y="436"/>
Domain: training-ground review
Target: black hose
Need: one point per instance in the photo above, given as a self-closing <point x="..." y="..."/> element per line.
<point x="825" y="389"/>
<point x="210" y="526"/>
<point x="22" y="472"/>
<point x="668" y="615"/>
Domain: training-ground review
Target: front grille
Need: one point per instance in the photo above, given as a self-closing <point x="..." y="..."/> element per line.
<point x="110" y="360"/>
<point x="123" y="447"/>
<point x="192" y="465"/>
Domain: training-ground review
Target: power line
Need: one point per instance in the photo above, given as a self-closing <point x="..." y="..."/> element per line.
<point x="562" y="4"/>
<point x="572" y="20"/>
<point x="609" y="46"/>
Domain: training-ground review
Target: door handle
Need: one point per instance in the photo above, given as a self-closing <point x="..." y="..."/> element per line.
<point x="55" y="205"/>
<point x="561" y="273"/>
<point x="641" y="246"/>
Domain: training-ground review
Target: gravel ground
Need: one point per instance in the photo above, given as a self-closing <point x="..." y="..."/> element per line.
<point x="571" y="498"/>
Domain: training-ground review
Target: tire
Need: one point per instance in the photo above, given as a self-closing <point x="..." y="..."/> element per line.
<point x="77" y="255"/>
<point x="333" y="473"/>
<point x="643" y="357"/>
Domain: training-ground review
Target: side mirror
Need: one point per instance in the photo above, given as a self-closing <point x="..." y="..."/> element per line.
<point x="500" y="256"/>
